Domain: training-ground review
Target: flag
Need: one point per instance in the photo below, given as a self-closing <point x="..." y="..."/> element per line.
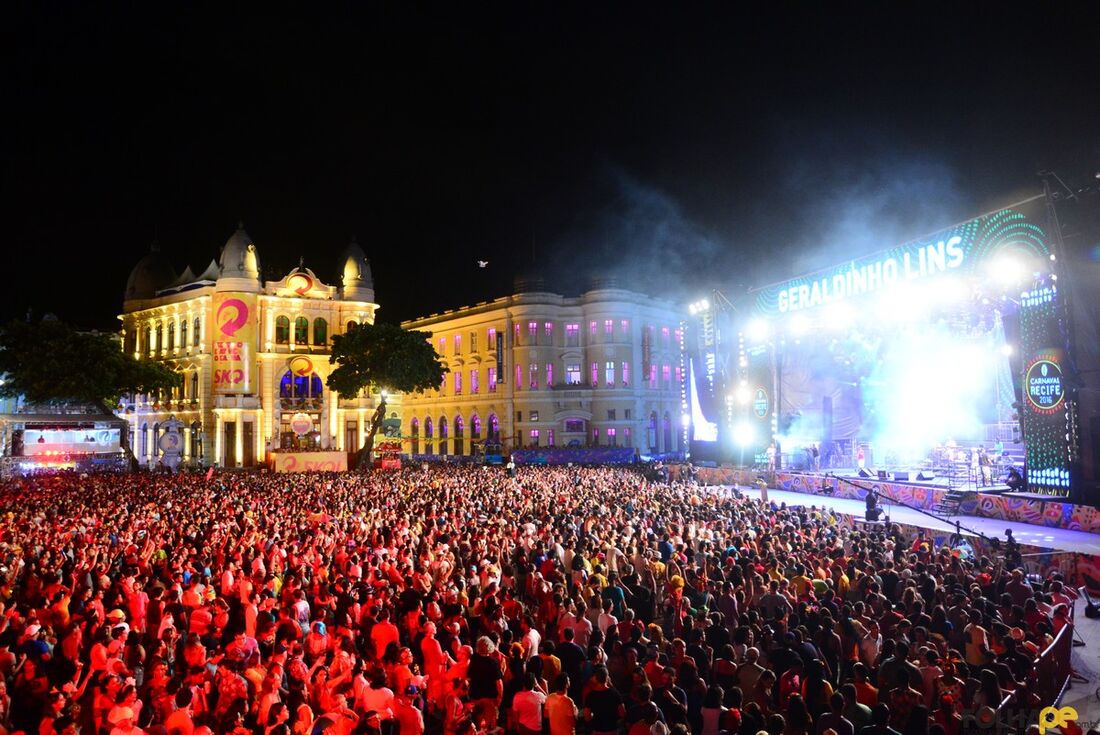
<point x="209" y="473"/>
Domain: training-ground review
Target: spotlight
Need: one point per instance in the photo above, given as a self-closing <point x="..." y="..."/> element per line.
<point x="685" y="420"/>
<point x="839" y="316"/>
<point x="743" y="434"/>
<point x="1007" y="270"/>
<point x="743" y="395"/>
<point x="757" y="330"/>
<point x="799" y="325"/>
<point x="1006" y="350"/>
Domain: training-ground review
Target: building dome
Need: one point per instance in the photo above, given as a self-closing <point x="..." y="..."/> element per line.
<point x="152" y="273"/>
<point x="239" y="258"/>
<point x="355" y="274"/>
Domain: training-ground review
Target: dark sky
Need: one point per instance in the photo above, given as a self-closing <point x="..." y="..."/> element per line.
<point x="677" y="150"/>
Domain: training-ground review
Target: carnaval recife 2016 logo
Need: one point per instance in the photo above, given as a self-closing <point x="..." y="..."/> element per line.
<point x="1043" y="384"/>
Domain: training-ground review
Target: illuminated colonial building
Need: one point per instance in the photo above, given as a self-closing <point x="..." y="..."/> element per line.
<point x="542" y="369"/>
<point x="253" y="354"/>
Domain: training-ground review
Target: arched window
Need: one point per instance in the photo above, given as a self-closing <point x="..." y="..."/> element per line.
<point x="171" y="336"/>
<point x="156" y="440"/>
<point x="443" y="435"/>
<point x="194" y="386"/>
<point x="282" y="330"/>
<point x="196" y="337"/>
<point x="300" y="386"/>
<point x="666" y="430"/>
<point x="429" y="447"/>
<point x="320" y="331"/>
<point x="475" y="427"/>
<point x="144" y="440"/>
<point x="414" y="432"/>
<point x="651" y="431"/>
<point x="494" y="427"/>
<point x="350" y="325"/>
<point x="301" y="330"/>
<point x="146" y="339"/>
<point x="160" y="337"/>
<point x="183" y="333"/>
<point x="460" y="442"/>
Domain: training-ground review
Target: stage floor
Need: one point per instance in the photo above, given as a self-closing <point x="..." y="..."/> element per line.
<point x="1041" y="536"/>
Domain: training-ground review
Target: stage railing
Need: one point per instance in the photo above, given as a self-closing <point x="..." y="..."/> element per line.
<point x="1052" y="671"/>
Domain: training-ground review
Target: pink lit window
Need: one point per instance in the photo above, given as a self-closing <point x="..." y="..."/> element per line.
<point x="652" y="376"/>
<point x="592" y="328"/>
<point x="611" y="436"/>
<point x="664" y="335"/>
<point x="442" y="345"/>
<point x="458" y="344"/>
<point x="548" y="329"/>
<point x="517" y="333"/>
<point x="519" y="376"/>
<point x="595" y="436"/>
<point x="678" y="375"/>
<point x="492" y="338"/>
<point x="572" y="334"/>
<point x="609" y="372"/>
<point x="608" y="326"/>
<point x="679" y="336"/>
<point x="595" y="373"/>
<point x="626" y="437"/>
<point x="624" y="326"/>
<point x="458" y="383"/>
<point x="532" y="328"/>
<point x="666" y="375"/>
<point x="533" y="372"/>
<point x="549" y="437"/>
<point x="492" y="380"/>
<point x="549" y="373"/>
<point x="534" y="434"/>
<point x="474" y="380"/>
<point x="626" y="373"/>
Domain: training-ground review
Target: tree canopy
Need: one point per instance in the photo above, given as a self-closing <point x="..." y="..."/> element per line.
<point x="49" y="362"/>
<point x="384" y="356"/>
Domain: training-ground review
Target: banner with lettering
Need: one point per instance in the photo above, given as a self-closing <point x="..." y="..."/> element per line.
<point x="234" y="346"/>
<point x="309" y="461"/>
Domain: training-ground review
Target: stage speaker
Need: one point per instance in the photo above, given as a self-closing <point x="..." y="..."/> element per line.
<point x="926" y="475"/>
<point x="866" y="474"/>
<point x="902" y="476"/>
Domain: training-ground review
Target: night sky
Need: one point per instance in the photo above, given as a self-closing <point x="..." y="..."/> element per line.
<point x="678" y="151"/>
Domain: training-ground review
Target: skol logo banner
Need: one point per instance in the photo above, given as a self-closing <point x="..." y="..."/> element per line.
<point x="234" y="342"/>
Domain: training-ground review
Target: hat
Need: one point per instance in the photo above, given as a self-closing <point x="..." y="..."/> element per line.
<point x="116" y="613"/>
<point x="119" y="714"/>
<point x="412" y="690"/>
<point x="1017" y="634"/>
<point x="32" y="630"/>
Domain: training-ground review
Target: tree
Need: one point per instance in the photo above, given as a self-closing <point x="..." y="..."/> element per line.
<point x="49" y="362"/>
<point x="386" y="357"/>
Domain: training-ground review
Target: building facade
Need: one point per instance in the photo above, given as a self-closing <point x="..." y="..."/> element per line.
<point x="541" y="369"/>
<point x="253" y="355"/>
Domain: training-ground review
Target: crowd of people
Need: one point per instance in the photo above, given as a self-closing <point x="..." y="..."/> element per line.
<point x="463" y="600"/>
